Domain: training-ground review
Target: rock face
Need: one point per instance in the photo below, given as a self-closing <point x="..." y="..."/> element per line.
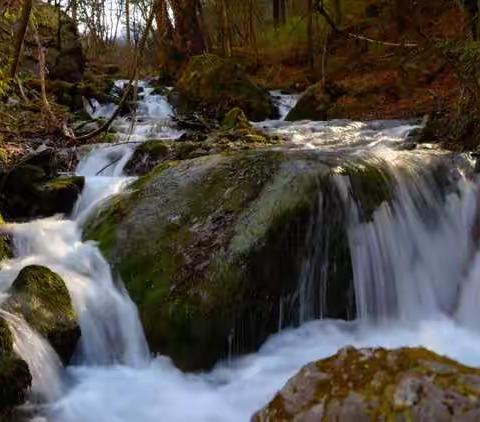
<point x="211" y="86"/>
<point x="15" y="378"/>
<point x="207" y="247"/>
<point x="31" y="189"/>
<point x="378" y="385"/>
<point x="41" y="297"/>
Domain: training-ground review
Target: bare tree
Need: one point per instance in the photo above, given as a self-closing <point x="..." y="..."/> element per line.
<point x="20" y="36"/>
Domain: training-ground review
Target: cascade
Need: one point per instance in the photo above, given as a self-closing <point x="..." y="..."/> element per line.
<point x="411" y="255"/>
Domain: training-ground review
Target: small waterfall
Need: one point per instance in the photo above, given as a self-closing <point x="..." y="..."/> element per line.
<point x="44" y="364"/>
<point x="398" y="245"/>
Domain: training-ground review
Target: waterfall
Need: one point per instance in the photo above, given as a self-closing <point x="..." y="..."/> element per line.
<point x="406" y="252"/>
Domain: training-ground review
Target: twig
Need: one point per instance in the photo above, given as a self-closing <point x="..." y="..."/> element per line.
<point x="107" y="166"/>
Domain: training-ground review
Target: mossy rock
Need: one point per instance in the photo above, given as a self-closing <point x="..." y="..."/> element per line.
<point x="58" y="195"/>
<point x="154" y="152"/>
<point x="212" y="86"/>
<point x="208" y="247"/>
<point x="28" y="193"/>
<point x="312" y="105"/>
<point x="41" y="297"/>
<point x="378" y="385"/>
<point x="235" y="119"/>
<point x="15" y="378"/>
<point x="5" y="243"/>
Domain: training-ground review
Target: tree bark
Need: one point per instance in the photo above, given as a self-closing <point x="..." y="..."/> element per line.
<point x="226" y="38"/>
<point x="127" y="22"/>
<point x="20" y="37"/>
<point x="311" y="53"/>
<point x="337" y="7"/>
<point x="187" y="27"/>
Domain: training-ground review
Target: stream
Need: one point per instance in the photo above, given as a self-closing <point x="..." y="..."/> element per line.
<point x="416" y="279"/>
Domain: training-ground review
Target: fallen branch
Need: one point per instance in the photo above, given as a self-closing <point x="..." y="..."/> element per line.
<point x="320" y="8"/>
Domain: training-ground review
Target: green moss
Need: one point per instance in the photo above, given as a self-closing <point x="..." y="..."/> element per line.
<point x="42" y="298"/>
<point x="197" y="242"/>
<point x="5" y="249"/>
<point x="235" y="119"/>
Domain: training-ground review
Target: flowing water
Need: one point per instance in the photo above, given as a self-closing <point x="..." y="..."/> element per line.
<point x="415" y="265"/>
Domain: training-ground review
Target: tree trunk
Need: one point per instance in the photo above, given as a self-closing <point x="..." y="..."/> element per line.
<point x="337" y="7"/>
<point x="310" y="44"/>
<point x="189" y="36"/>
<point x="20" y="36"/>
<point x="283" y="12"/>
<point x="276" y="13"/>
<point x="127" y="22"/>
<point x="226" y="38"/>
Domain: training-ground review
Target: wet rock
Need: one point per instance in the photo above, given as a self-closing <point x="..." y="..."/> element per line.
<point x="235" y="119"/>
<point x="211" y="86"/>
<point x="312" y="105"/>
<point x="378" y="384"/>
<point x="207" y="247"/>
<point x="42" y="298"/>
<point x="236" y="134"/>
<point x="15" y="378"/>
<point x="5" y="242"/>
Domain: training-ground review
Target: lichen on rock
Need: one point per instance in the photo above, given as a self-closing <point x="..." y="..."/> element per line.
<point x="409" y="384"/>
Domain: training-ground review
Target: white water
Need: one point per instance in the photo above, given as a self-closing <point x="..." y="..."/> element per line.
<point x="430" y="267"/>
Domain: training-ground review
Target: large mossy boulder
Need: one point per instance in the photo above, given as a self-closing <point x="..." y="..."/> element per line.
<point x="378" y="385"/>
<point x="212" y="86"/>
<point x="15" y="378"/>
<point x="208" y="248"/>
<point x="41" y="297"/>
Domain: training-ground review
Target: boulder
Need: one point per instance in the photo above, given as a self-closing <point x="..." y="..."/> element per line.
<point x="381" y="385"/>
<point x="212" y="85"/>
<point x="209" y="247"/>
<point x="315" y="103"/>
<point x="31" y="188"/>
<point x="42" y="298"/>
<point x="15" y="378"/>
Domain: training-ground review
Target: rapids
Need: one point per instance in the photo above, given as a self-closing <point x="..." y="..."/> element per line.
<point x="415" y="262"/>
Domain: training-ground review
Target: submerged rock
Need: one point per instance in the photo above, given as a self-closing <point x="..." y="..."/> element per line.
<point x="42" y="298"/>
<point x="208" y="247"/>
<point x="15" y="378"/>
<point x="378" y="385"/>
<point x="212" y="86"/>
